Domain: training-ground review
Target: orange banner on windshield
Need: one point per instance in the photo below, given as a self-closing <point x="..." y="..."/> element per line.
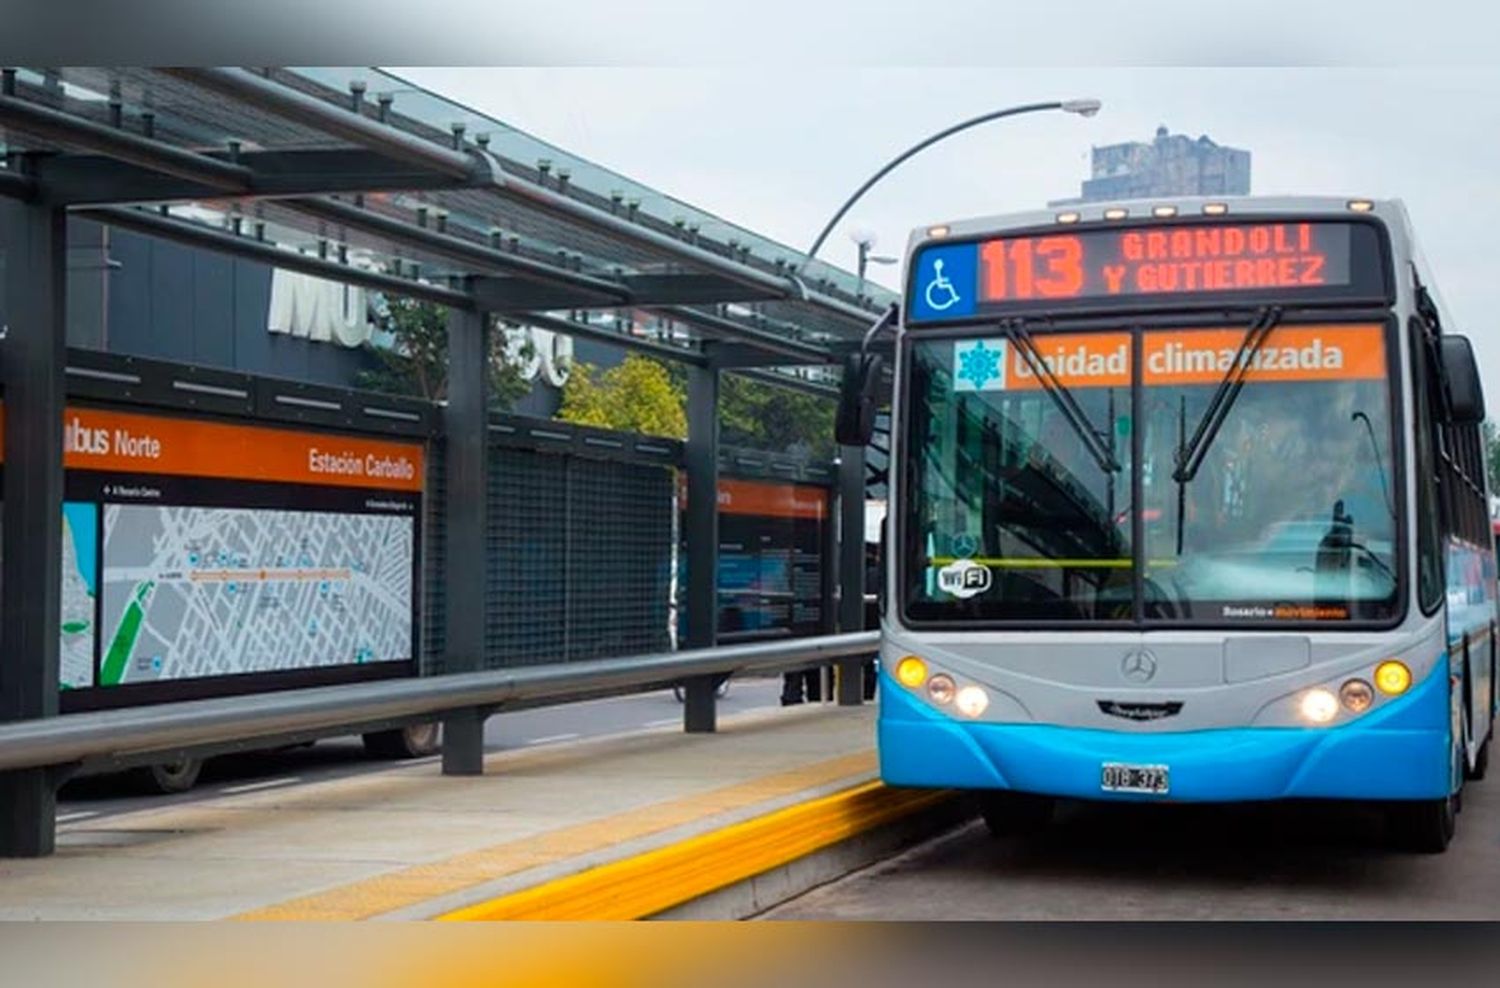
<point x="1290" y="353"/>
<point x="1335" y="352"/>
<point x="1078" y="360"/>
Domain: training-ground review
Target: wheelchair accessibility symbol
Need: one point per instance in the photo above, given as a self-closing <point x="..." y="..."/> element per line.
<point x="940" y="293"/>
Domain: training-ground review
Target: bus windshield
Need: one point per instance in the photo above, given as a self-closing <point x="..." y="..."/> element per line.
<point x="1290" y="516"/>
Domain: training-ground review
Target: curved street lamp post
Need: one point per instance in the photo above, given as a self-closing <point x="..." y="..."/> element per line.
<point x="1082" y="107"/>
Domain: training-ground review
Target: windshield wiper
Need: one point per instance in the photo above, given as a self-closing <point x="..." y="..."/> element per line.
<point x="1385" y="487"/>
<point x="1190" y="456"/>
<point x="1093" y="439"/>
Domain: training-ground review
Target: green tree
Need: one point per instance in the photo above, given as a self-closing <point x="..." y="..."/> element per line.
<point x="763" y="416"/>
<point x="649" y="396"/>
<point x="636" y="395"/>
<point x="416" y="362"/>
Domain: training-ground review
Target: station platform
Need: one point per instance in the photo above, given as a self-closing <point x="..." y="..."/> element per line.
<point x="603" y="828"/>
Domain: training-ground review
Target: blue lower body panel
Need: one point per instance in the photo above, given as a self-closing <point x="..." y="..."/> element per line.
<point x="1400" y="751"/>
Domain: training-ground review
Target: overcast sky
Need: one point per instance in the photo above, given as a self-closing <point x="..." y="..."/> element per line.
<point x="778" y="150"/>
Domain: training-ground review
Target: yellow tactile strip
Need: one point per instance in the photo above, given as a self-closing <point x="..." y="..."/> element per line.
<point x="420" y="883"/>
<point x="649" y="883"/>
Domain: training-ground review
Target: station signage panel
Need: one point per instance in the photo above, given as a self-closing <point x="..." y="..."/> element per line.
<point x="770" y="558"/>
<point x="202" y="557"/>
<point x="770" y="576"/>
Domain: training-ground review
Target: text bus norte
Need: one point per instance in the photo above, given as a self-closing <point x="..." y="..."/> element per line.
<point x="1187" y="503"/>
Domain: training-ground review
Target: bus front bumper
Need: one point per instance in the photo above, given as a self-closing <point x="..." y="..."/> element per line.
<point x="1399" y="751"/>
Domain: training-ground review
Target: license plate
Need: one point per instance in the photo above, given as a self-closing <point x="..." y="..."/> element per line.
<point x="1117" y="777"/>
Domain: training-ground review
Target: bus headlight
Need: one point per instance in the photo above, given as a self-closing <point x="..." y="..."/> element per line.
<point x="1392" y="678"/>
<point x="1356" y="696"/>
<point x="971" y="701"/>
<point x="940" y="688"/>
<point x="911" y="672"/>
<point x="1319" y="706"/>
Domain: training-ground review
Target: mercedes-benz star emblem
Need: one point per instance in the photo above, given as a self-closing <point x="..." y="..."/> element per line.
<point x="1138" y="666"/>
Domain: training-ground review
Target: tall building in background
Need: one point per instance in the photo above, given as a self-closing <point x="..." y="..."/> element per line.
<point x="1170" y="165"/>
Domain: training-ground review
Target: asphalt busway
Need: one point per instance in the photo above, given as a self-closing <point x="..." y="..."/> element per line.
<point x="355" y="176"/>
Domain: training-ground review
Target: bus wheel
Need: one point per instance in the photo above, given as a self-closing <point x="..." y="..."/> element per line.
<point x="1015" y="814"/>
<point x="1481" y="760"/>
<point x="166" y="778"/>
<point x="1482" y="753"/>
<point x="1424" y="826"/>
<point x="412" y="741"/>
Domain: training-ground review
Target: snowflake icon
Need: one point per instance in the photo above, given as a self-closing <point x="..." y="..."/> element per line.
<point x="978" y="365"/>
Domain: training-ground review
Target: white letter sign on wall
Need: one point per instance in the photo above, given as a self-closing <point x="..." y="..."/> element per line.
<point x="320" y="310"/>
<point x="551" y="354"/>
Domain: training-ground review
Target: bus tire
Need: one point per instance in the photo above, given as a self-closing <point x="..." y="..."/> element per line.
<point x="411" y="741"/>
<point x="1016" y="814"/>
<point x="1423" y="826"/>
<point x="1482" y="750"/>
<point x="1481" y="760"/>
<point x="168" y="778"/>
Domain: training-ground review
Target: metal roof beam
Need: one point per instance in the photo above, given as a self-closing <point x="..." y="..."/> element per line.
<point x="523" y="295"/>
<point x="781" y="286"/>
<point x="88" y="179"/>
<point x="654" y="348"/>
<point x="517" y="294"/>
<point x="337" y="121"/>
<point x="58" y="127"/>
<point x="16" y="185"/>
<point x="587" y="291"/>
<point x="787" y="381"/>
<point x="691" y="289"/>
<point x="731" y="355"/>
<point x="799" y="353"/>
<point x="198" y="235"/>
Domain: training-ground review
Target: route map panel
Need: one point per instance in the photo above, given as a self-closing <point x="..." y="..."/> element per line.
<point x="198" y="552"/>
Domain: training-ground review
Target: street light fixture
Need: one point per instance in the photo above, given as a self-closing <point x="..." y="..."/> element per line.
<point x="864" y="240"/>
<point x="1082" y="107"/>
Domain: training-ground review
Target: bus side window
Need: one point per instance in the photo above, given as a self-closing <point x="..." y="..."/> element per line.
<point x="1430" y="508"/>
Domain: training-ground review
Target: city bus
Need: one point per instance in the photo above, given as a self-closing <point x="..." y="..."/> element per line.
<point x="1187" y="503"/>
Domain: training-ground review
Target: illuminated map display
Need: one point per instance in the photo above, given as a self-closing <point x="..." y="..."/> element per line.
<point x="198" y="552"/>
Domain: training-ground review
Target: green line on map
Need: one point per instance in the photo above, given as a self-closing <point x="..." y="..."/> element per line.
<point x="74" y="627"/>
<point x="115" y="660"/>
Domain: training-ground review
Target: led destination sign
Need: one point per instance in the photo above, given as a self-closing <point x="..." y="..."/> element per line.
<point x="1041" y="270"/>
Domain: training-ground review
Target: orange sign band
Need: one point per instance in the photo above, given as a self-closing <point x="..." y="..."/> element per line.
<point x="1342" y="352"/>
<point x="126" y="442"/>
<point x="744" y="497"/>
<point x="1290" y="353"/>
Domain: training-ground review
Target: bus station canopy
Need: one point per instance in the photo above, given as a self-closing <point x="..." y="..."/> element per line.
<point x="356" y="175"/>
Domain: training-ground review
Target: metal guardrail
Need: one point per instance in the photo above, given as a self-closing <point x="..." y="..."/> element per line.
<point x="130" y="732"/>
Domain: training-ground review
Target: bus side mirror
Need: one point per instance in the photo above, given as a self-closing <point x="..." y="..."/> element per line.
<point x="1465" y="394"/>
<point x="855" y="423"/>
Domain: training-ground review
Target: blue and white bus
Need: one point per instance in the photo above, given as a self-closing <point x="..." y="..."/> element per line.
<point x="1187" y="503"/>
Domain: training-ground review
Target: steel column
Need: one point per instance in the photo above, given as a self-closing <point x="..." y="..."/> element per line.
<point x="851" y="565"/>
<point x="828" y="583"/>
<point x="33" y="245"/>
<point x="465" y="425"/>
<point x="701" y="460"/>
